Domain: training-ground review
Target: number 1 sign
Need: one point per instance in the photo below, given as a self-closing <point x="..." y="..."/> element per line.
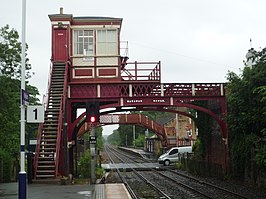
<point x="35" y="114"/>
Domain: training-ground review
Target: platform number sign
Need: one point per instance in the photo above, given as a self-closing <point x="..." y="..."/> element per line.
<point x="35" y="114"/>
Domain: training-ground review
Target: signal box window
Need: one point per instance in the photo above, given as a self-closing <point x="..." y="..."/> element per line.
<point x="107" y="42"/>
<point x="84" y="42"/>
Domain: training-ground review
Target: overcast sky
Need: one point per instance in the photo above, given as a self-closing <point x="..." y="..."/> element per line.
<point x="196" y="40"/>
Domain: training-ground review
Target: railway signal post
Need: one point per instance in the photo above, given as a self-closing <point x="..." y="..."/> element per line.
<point x="93" y="117"/>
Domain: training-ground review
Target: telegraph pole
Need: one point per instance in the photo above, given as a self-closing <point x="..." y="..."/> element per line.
<point x="22" y="173"/>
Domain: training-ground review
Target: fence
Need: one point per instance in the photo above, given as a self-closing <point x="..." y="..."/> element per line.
<point x="201" y="167"/>
<point x="1" y="170"/>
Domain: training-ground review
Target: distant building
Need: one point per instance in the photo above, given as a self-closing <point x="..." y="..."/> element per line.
<point x="180" y="130"/>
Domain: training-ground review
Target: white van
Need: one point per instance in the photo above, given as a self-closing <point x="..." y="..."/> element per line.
<point x="172" y="154"/>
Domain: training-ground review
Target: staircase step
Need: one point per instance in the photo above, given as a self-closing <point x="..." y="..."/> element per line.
<point x="58" y="77"/>
<point x="56" y="98"/>
<point x="47" y="171"/>
<point x="45" y="139"/>
<point x="45" y="176"/>
<point x="56" y="88"/>
<point x="46" y="158"/>
<point x="48" y="131"/>
<point x="48" y="142"/>
<point x="54" y="94"/>
<point x="47" y="136"/>
<point x="52" y="127"/>
<point x="50" y="121"/>
<point x="53" y="104"/>
<point x="52" y="112"/>
<point x="46" y="147"/>
<point x="43" y="167"/>
<point x="59" y="66"/>
<point x="47" y="153"/>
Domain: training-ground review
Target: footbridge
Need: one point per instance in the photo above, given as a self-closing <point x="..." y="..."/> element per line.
<point x="135" y="119"/>
<point x="88" y="64"/>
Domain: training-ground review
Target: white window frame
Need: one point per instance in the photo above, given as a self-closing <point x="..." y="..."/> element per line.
<point x="86" y="47"/>
<point x="105" y="46"/>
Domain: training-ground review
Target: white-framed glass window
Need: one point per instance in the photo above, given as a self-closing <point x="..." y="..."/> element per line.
<point x="84" y="42"/>
<point x="107" y="42"/>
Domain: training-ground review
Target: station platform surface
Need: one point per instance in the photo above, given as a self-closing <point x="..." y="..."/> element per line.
<point x="141" y="166"/>
<point x="44" y="191"/>
<point x="111" y="191"/>
<point x="140" y="152"/>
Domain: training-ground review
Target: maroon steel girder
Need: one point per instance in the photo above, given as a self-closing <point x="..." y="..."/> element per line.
<point x="114" y="90"/>
<point x="151" y="94"/>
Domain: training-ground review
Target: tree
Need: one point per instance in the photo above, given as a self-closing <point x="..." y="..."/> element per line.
<point x="99" y="135"/>
<point x="10" y="51"/>
<point x="246" y="114"/>
<point x="114" y="138"/>
<point x="126" y="131"/>
<point x="10" y="95"/>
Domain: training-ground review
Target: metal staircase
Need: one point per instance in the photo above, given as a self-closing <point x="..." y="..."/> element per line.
<point x="48" y="146"/>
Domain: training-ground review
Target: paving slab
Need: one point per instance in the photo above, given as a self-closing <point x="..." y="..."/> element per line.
<point x="45" y="191"/>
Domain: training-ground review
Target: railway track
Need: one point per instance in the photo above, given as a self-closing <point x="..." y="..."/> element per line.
<point x="138" y="185"/>
<point x="174" y="184"/>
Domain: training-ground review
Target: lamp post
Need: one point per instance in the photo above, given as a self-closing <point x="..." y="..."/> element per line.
<point x="22" y="173"/>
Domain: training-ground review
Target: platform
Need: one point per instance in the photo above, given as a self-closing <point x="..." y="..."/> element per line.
<point x="111" y="191"/>
<point x="140" y="152"/>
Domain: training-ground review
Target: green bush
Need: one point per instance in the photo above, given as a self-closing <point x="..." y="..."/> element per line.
<point x="84" y="165"/>
<point x="99" y="172"/>
<point x="198" y="149"/>
<point x="261" y="157"/>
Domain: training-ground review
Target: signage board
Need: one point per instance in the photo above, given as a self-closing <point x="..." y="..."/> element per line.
<point x="35" y="114"/>
<point x="93" y="139"/>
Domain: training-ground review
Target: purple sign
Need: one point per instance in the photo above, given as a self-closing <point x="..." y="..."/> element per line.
<point x="25" y="97"/>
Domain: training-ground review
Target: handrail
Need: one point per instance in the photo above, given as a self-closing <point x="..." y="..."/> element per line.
<point x="155" y="73"/>
<point x="141" y="71"/>
<point x="154" y="126"/>
<point x="48" y="86"/>
<point x="60" y="119"/>
<point x="40" y="129"/>
<point x="37" y="149"/>
<point x="58" y="137"/>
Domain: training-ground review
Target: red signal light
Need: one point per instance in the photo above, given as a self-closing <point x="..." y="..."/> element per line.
<point x="92" y="119"/>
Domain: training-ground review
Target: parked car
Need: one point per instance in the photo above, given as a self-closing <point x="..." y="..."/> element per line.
<point x="172" y="155"/>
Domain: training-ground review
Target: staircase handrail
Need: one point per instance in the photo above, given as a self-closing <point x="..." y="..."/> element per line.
<point x="152" y="125"/>
<point x="58" y="137"/>
<point x="40" y="129"/>
<point x="155" y="73"/>
<point x="37" y="149"/>
<point x="48" y="86"/>
<point x="60" y="119"/>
